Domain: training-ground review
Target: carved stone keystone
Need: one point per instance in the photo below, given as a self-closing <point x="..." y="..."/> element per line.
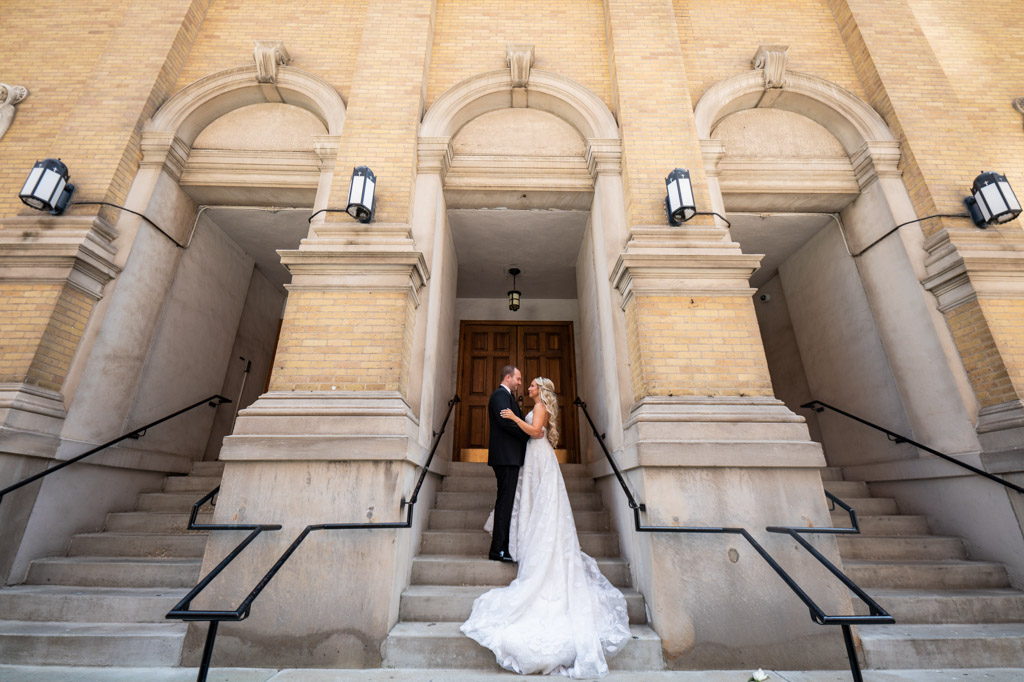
<point x="268" y="55"/>
<point x="520" y="59"/>
<point x="771" y="58"/>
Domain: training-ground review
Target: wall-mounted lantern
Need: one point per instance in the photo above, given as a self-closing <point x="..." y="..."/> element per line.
<point x="679" y="203"/>
<point x="514" y="295"/>
<point x="992" y="200"/>
<point x="360" y="194"/>
<point x="47" y="187"/>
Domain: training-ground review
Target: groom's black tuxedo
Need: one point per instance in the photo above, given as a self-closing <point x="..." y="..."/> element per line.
<point x="506" y="451"/>
<point x="507" y="444"/>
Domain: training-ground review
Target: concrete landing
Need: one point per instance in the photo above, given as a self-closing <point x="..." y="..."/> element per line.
<point x="19" y="673"/>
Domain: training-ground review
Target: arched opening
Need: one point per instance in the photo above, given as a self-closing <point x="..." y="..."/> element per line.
<point x="811" y="181"/>
<point x="518" y="189"/>
<point x="232" y="176"/>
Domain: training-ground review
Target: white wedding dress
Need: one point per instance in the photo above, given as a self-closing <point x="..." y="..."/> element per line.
<point x="560" y="616"/>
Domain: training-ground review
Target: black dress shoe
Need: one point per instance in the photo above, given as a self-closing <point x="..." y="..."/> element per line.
<point x="500" y="556"/>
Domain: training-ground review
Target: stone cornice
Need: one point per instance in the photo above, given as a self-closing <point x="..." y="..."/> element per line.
<point x="72" y="250"/>
<point x="361" y="269"/>
<point x="965" y="264"/>
<point x="876" y="159"/>
<point x="693" y="274"/>
<point x="434" y="155"/>
<point x="604" y="156"/>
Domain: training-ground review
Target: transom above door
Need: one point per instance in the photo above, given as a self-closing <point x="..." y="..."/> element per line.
<point x="538" y="349"/>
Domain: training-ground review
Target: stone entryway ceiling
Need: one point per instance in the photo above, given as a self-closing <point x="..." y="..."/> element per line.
<point x="776" y="235"/>
<point x="543" y="244"/>
<point x="261" y="232"/>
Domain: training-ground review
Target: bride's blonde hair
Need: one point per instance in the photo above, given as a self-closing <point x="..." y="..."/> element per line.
<point x="550" y="400"/>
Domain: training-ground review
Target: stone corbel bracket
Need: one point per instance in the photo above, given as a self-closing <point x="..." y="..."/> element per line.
<point x="434" y="155"/>
<point x="520" y="59"/>
<point x="1018" y="104"/>
<point x="963" y="264"/>
<point x="269" y="54"/>
<point x="9" y="96"/>
<point x="772" y="60"/>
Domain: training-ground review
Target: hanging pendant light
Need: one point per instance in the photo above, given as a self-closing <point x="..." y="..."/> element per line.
<point x="514" y="295"/>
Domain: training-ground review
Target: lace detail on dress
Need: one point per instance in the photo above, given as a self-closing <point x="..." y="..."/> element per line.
<point x="560" y="615"/>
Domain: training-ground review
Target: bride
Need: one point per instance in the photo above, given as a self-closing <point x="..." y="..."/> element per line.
<point x="560" y="615"/>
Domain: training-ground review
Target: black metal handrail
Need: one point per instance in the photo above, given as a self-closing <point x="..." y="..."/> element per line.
<point x="212" y="401"/>
<point x="819" y="406"/>
<point x="182" y="610"/>
<point x="877" y="616"/>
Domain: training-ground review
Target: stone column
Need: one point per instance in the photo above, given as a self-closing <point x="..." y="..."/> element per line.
<point x="975" y="275"/>
<point x="939" y="167"/>
<point x="705" y="443"/>
<point x="338" y="436"/>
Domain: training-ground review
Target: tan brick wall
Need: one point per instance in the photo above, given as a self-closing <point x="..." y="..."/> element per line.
<point x="40" y="327"/>
<point x="385" y="107"/>
<point x="1005" y="319"/>
<point x="322" y="37"/>
<point x="653" y="105"/>
<point x="720" y="38"/>
<point x="95" y="73"/>
<point x="986" y="70"/>
<point x="984" y="366"/>
<point x="695" y="346"/>
<point x="345" y="341"/>
<point x="568" y="39"/>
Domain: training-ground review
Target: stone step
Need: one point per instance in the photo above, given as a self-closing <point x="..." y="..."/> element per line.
<point x="61" y="603"/>
<point x="144" y="644"/>
<point x="478" y="542"/>
<point x="832" y="473"/>
<point x="138" y="544"/>
<point x="870" y="506"/>
<point x="173" y="502"/>
<point x="462" y="570"/>
<point x="481" y="469"/>
<point x="474" y="484"/>
<point x="154" y="522"/>
<point x="901" y="524"/>
<point x="431" y="603"/>
<point x="943" y="646"/>
<point x="582" y="501"/>
<point x="900" y="547"/>
<point x="955" y="575"/>
<point x="442" y="645"/>
<point x="191" y="484"/>
<point x="845" y="489"/>
<point x="115" y="572"/>
<point x="474" y="519"/>
<point x="214" y="468"/>
<point x="948" y="606"/>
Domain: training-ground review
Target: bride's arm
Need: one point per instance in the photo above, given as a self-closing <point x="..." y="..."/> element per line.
<point x="540" y="416"/>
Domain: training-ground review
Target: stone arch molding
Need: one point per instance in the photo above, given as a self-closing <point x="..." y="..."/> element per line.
<point x="867" y="139"/>
<point x="169" y="135"/>
<point x="546" y="91"/>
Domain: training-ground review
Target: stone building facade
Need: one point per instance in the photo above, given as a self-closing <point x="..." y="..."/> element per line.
<point x="534" y="135"/>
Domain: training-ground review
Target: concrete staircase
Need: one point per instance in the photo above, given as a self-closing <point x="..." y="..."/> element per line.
<point x="452" y="570"/>
<point x="951" y="611"/>
<point x="104" y="603"/>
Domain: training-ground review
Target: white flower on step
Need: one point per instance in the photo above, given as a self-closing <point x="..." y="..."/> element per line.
<point x="758" y="676"/>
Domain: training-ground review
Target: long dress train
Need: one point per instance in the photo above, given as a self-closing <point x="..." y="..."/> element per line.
<point x="560" y="615"/>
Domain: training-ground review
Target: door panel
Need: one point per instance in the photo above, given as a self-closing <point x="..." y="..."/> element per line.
<point x="538" y="349"/>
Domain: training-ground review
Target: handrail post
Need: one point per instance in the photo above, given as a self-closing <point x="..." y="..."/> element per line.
<point x="204" y="664"/>
<point x="851" y="653"/>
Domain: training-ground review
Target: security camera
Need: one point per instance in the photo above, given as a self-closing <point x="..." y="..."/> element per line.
<point x="765" y="298"/>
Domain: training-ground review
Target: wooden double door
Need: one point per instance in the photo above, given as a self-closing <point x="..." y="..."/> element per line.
<point x="538" y="349"/>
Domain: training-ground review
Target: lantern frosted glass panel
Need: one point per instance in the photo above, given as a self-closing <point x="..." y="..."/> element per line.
<point x="993" y="200"/>
<point x="679" y="197"/>
<point x="28" y="191"/>
<point x="45" y="187"/>
<point x="360" y="194"/>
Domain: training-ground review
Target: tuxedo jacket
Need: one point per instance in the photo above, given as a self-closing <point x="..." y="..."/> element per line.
<point x="507" y="444"/>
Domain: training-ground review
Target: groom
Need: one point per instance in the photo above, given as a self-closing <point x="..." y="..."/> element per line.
<point x="505" y="453"/>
